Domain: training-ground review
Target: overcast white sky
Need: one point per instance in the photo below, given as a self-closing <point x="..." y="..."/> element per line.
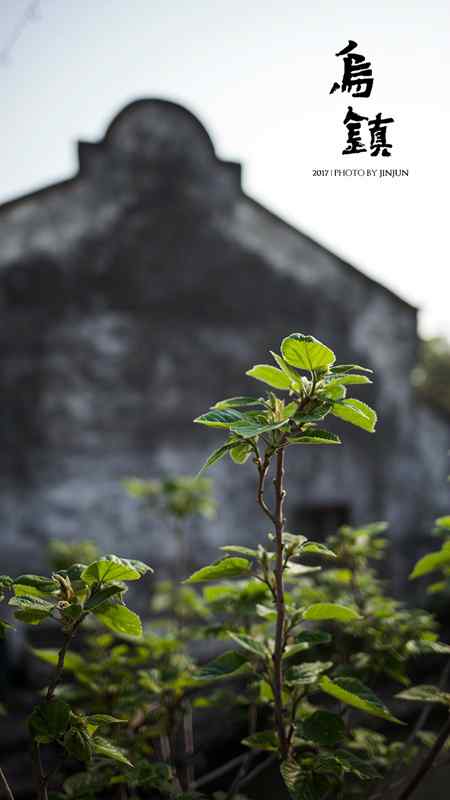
<point x="258" y="75"/>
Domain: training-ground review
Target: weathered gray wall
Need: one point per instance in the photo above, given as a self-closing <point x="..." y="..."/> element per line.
<point x="137" y="294"/>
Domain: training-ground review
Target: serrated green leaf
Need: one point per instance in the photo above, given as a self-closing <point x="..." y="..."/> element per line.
<point x="103" y="747"/>
<point x="49" y="720"/>
<point x="431" y="561"/>
<point x="105" y="719"/>
<point x="314" y="436"/>
<point x="438" y="586"/>
<point x="119" y="619"/>
<point x="294" y="377"/>
<point x="294" y="540"/>
<point x="307" y="673"/>
<point x="425" y="694"/>
<point x="331" y="611"/>
<point x="78" y="744"/>
<point x="225" y="568"/>
<point x="31" y="609"/>
<point x="263" y="740"/>
<point x="293" y="569"/>
<point x="241" y="452"/>
<point x="315" y="414"/>
<point x="312" y="638"/>
<point x="249" y="643"/>
<point x="300" y="783"/>
<point x="318" y="549"/>
<point x="4" y="626"/>
<point x="426" y="646"/>
<point x="361" y="767"/>
<point x="219" y="418"/>
<point x="270" y="375"/>
<point x="216" y="455"/>
<point x="324" y="728"/>
<point x="101" y="596"/>
<point x="306" y="352"/>
<point x="354" y="693"/>
<point x="343" y="368"/>
<point x="334" y="391"/>
<point x="225" y="666"/>
<point x="111" y="568"/>
<point x="266" y="612"/>
<point x="248" y="429"/>
<point x="347" y="380"/>
<point x="24" y="584"/>
<point x="238" y="402"/>
<point x="237" y="548"/>
<point x="356" y="413"/>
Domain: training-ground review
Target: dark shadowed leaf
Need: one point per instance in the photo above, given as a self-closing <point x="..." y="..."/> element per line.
<point x="263" y="740"/>
<point x="225" y="666"/>
<point x="354" y="693"/>
<point x="324" y="728"/>
<point x="49" y="720"/>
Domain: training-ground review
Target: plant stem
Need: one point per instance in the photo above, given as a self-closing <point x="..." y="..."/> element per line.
<point x="219" y="771"/>
<point x="242" y="772"/>
<point x="61" y="658"/>
<point x="390" y="778"/>
<point x="40" y="777"/>
<point x="188" y="731"/>
<point x="280" y="607"/>
<point x="258" y="769"/>
<point x="425" y="713"/>
<point x="427" y="762"/>
<point x="6" y="785"/>
<point x="263" y="466"/>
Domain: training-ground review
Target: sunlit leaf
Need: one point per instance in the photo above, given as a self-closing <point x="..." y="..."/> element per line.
<point x="356" y="412"/>
<point x="225" y="568"/>
<point x="306" y="352"/>
<point x="331" y="611"/>
<point x="270" y="375"/>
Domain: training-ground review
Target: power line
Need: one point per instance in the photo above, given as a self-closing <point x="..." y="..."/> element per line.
<point x="31" y="14"/>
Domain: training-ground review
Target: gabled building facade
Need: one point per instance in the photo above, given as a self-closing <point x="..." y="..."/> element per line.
<point x="136" y="294"/>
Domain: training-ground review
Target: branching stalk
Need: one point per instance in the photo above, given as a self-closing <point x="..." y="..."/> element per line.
<point x="280" y="606"/>
<point x="427" y="762"/>
<point x="188" y="732"/>
<point x="242" y="772"/>
<point x="41" y="778"/>
<point x="6" y="785"/>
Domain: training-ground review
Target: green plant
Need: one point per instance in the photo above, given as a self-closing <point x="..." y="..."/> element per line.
<point x="70" y="597"/>
<point x="262" y="428"/>
<point x="307" y="635"/>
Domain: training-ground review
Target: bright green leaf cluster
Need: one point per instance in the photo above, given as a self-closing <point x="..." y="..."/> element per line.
<point x="315" y="387"/>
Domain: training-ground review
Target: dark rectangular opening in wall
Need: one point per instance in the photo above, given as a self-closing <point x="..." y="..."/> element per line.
<point x="319" y="520"/>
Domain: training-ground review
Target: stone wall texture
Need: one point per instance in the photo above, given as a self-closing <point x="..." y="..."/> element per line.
<point x="135" y="295"/>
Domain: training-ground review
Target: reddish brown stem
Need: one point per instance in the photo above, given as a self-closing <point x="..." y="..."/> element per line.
<point x="427" y="762"/>
<point x="280" y="606"/>
<point x="188" y="732"/>
<point x="263" y="466"/>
